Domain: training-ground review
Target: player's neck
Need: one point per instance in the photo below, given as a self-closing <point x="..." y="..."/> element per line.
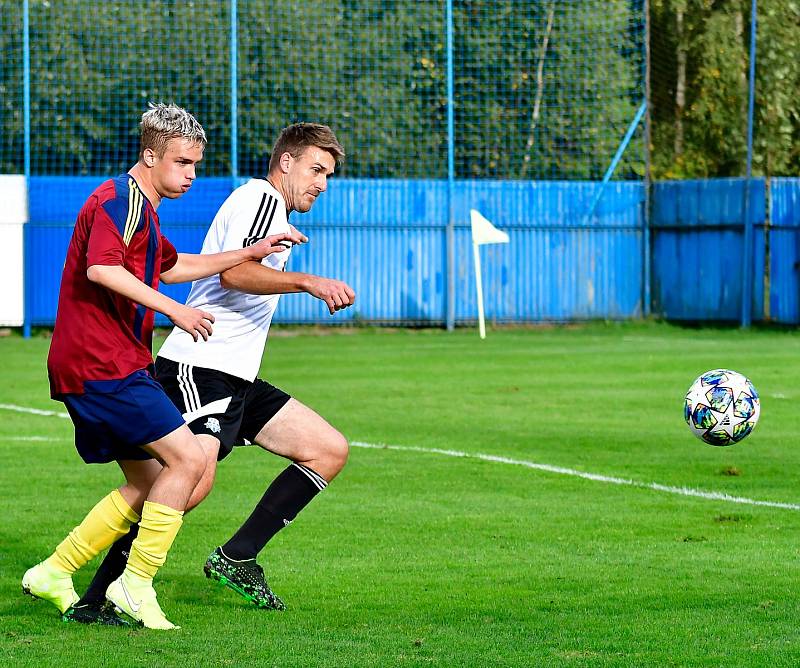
<point x="275" y="182"/>
<point x="142" y="176"/>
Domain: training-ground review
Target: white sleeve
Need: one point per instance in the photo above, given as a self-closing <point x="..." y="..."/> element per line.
<point x="247" y="217"/>
<point x="250" y="219"/>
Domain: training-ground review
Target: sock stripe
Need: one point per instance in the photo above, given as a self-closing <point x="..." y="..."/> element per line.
<point x="313" y="476"/>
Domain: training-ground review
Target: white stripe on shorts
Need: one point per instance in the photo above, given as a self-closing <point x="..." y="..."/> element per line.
<point x="188" y="389"/>
<point x="212" y="408"/>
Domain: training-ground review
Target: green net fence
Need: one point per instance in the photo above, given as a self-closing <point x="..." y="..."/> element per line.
<point x="541" y="89"/>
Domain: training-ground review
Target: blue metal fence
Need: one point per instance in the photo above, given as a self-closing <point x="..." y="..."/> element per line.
<point x="387" y="239"/>
<point x="783" y="244"/>
<point x="698" y="236"/>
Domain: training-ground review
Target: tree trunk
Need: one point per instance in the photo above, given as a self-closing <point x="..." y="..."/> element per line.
<point x="680" y="86"/>
<point x="743" y="73"/>
<point x="539" y="92"/>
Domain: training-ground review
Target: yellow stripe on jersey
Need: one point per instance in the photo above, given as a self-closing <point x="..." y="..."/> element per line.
<point x="135" y="202"/>
<point x="131" y="194"/>
<point x="139" y="207"/>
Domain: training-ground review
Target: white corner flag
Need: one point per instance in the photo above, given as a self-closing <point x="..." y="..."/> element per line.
<point x="483" y="232"/>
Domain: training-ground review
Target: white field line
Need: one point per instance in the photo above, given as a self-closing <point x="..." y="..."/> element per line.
<point x="683" y="491"/>
<point x="33" y="411"/>
<point x="549" y="468"/>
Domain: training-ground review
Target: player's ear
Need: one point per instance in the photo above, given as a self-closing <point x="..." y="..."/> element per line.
<point x="285" y="161"/>
<point x="149" y="157"/>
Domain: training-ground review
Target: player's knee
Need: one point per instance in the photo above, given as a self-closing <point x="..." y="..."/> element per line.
<point x="198" y="465"/>
<point x="337" y="450"/>
<point x="192" y="463"/>
<point x="201" y="491"/>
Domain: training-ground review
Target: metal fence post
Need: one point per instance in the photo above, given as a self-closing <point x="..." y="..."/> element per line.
<point x="234" y="95"/>
<point x="747" y="244"/>
<point x="26" y="113"/>
<point x="648" y="174"/>
<point x="451" y="162"/>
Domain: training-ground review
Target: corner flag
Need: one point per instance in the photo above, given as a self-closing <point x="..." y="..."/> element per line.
<point x="483" y="232"/>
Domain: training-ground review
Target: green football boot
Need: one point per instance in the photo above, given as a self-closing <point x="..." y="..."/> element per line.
<point x="244" y="577"/>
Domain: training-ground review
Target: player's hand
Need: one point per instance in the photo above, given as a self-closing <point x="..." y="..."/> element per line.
<point x="297" y="236"/>
<point x="194" y="321"/>
<point x="336" y="294"/>
<point x="275" y="243"/>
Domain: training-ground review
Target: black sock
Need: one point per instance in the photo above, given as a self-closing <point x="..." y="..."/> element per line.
<point x="110" y="569"/>
<point x="288" y="494"/>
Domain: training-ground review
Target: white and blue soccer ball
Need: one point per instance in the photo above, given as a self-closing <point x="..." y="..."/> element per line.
<point x="721" y="407"/>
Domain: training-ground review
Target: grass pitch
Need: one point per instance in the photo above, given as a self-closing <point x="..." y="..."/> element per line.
<point x="415" y="558"/>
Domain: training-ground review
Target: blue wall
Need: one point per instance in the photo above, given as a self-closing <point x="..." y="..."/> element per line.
<point x="387" y="238"/>
<point x="696" y="233"/>
<point x="697" y="244"/>
<point x="783" y="242"/>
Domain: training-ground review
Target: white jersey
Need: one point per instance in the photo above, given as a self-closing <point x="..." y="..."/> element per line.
<point x="241" y="321"/>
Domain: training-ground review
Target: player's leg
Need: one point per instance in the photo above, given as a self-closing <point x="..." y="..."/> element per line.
<point x="210" y="404"/>
<point x="318" y="452"/>
<point x="51" y="580"/>
<point x="92" y="608"/>
<point x="95" y="439"/>
<point x="298" y="433"/>
<point x="183" y="462"/>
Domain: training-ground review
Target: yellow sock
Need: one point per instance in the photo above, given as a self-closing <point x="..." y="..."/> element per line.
<point x="108" y="520"/>
<point x="157" y="530"/>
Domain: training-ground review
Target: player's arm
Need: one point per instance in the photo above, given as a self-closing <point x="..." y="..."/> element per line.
<point x="256" y="279"/>
<point x="190" y="267"/>
<point x="120" y="280"/>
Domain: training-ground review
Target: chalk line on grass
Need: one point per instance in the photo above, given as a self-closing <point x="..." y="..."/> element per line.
<point x="596" y="477"/>
<point x="549" y="468"/>
<point x="33" y="411"/>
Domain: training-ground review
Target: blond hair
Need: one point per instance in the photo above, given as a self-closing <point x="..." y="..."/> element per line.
<point x="163" y="122"/>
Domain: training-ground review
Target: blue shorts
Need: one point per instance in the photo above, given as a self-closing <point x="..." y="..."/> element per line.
<point x="114" y="418"/>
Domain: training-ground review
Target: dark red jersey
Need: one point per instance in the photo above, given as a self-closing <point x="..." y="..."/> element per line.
<point x="99" y="334"/>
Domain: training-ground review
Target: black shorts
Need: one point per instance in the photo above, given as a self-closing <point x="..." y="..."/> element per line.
<point x="228" y="408"/>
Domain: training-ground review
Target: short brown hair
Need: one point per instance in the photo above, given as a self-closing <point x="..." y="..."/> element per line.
<point x="163" y="122"/>
<point x="296" y="138"/>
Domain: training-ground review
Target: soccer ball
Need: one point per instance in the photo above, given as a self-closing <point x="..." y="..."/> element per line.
<point x="721" y="407"/>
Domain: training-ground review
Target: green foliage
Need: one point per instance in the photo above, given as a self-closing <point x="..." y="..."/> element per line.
<point x="777" y="138"/>
<point x="375" y="70"/>
<point x="717" y="41"/>
<point x="11" y="94"/>
<point x="591" y="85"/>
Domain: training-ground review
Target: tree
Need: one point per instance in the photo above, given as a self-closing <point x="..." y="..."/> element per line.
<point x="543" y="89"/>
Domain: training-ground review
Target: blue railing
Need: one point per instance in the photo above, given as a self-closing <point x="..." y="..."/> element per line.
<point x="698" y="241"/>
<point x="388" y="239"/>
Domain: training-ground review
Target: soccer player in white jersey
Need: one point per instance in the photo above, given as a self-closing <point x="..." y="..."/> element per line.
<point x="214" y="383"/>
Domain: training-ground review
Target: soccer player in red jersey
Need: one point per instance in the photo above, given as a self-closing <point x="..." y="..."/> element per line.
<point x="100" y="364"/>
